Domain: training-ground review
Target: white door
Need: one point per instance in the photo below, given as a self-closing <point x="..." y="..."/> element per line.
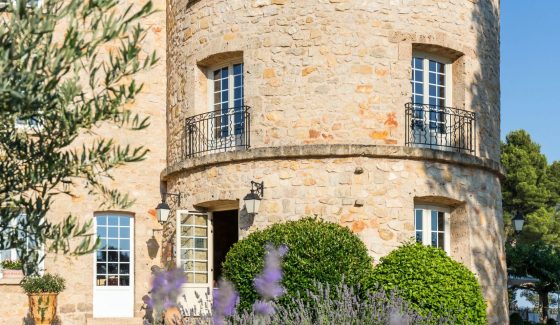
<point x="113" y="281"/>
<point x="194" y="256"/>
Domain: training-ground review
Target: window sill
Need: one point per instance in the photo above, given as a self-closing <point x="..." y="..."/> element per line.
<point x="10" y="281"/>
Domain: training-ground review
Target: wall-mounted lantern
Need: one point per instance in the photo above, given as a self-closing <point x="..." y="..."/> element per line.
<point x="253" y="199"/>
<point x="163" y="208"/>
<point x="518" y="222"/>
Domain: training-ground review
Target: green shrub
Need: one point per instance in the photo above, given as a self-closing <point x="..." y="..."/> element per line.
<point x="432" y="282"/>
<point x="516" y="319"/>
<point x="317" y="251"/>
<point x="551" y="321"/>
<point x="11" y="265"/>
<point x="52" y="283"/>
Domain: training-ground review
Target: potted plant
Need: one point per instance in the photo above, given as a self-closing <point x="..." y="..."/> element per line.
<point x="12" y="269"/>
<point x="42" y="292"/>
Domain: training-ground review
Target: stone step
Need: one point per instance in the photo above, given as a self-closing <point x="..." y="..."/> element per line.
<point x="114" y="321"/>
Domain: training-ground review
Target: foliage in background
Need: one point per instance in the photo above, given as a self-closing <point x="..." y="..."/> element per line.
<point x="516" y="319"/>
<point x="317" y="251"/>
<point x="432" y="282"/>
<point x="539" y="260"/>
<point x="11" y="265"/>
<point x="67" y="68"/>
<point x="50" y="283"/>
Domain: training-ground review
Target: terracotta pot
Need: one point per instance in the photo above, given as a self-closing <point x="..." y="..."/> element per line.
<point x="42" y="307"/>
<point x="173" y="316"/>
<point x="10" y="274"/>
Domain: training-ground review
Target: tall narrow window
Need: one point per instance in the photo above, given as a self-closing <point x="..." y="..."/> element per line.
<point x="113" y="257"/>
<point x="228" y="100"/>
<point x="431" y="93"/>
<point x="194" y="255"/>
<point x="432" y="226"/>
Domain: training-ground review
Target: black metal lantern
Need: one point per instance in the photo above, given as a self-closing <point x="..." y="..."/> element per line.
<point x="253" y="199"/>
<point x="163" y="208"/>
<point x="518" y="222"/>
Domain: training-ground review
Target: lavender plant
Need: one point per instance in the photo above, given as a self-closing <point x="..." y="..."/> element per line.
<point x="267" y="283"/>
<point x="166" y="288"/>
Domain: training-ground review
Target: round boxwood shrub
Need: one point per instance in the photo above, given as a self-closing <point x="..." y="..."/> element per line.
<point x="432" y="282"/>
<point x="317" y="251"/>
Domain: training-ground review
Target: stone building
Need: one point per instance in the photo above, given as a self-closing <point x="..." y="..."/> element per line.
<point x="382" y="116"/>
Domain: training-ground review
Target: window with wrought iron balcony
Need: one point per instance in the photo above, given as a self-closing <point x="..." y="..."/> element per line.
<point x="226" y="126"/>
<point x="430" y="121"/>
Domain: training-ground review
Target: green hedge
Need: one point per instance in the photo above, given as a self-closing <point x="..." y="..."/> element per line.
<point x="432" y="282"/>
<point x="317" y="251"/>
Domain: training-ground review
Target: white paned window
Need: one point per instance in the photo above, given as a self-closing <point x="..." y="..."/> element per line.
<point x="193" y="250"/>
<point x="431" y="226"/>
<point x="114" y="255"/>
<point x="227" y="100"/>
<point x="13" y="255"/>
<point x="431" y="90"/>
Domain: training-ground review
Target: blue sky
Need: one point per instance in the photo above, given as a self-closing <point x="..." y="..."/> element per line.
<point x="530" y="71"/>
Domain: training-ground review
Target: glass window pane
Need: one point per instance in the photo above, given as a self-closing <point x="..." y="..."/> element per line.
<point x="225" y="72"/>
<point x="217" y="74"/>
<point x="124" y="268"/>
<point x="187" y="219"/>
<point x="418" y="220"/>
<point x="113" y="280"/>
<point x="201" y="266"/>
<point x="102" y="231"/>
<point x="441" y="241"/>
<point x="101" y="268"/>
<point x="434" y="239"/>
<point x="187" y="231"/>
<point x="101" y="220"/>
<point x="433" y="66"/>
<point x="186" y="254"/>
<point x="113" y="232"/>
<point x="441" y="221"/>
<point x="124" y="221"/>
<point x="113" y="256"/>
<point x="237" y="93"/>
<point x="101" y="280"/>
<point x="200" y="220"/>
<point x="124" y="232"/>
<point x="190" y="278"/>
<point x="225" y="84"/>
<point x="201" y="278"/>
<point x="201" y="255"/>
<point x="101" y="256"/>
<point x="113" y="268"/>
<point x="189" y="266"/>
<point x="103" y="244"/>
<point x="124" y="281"/>
<point x="434" y="220"/>
<point x="124" y="256"/>
<point x="124" y="244"/>
<point x="238" y="68"/>
<point x="113" y="221"/>
<point x="201" y="243"/>
<point x="418" y="236"/>
<point x="187" y="242"/>
<point x="200" y="232"/>
<point x="113" y="244"/>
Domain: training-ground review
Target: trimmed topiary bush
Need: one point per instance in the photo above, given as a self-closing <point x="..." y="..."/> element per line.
<point x="318" y="251"/>
<point x="432" y="282"/>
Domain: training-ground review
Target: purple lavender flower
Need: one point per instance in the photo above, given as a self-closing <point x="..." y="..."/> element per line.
<point x="166" y="287"/>
<point x="267" y="283"/>
<point x="261" y="307"/>
<point x="225" y="301"/>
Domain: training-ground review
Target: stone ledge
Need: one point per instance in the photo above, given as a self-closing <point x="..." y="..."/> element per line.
<point x="334" y="151"/>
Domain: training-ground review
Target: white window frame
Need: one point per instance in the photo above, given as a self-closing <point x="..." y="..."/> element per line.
<point x="210" y="77"/>
<point x="427" y="225"/>
<point x="209" y="247"/>
<point x="13" y="254"/>
<point x="426" y="57"/>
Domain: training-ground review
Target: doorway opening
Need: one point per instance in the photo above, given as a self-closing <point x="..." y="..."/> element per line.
<point x="225" y="226"/>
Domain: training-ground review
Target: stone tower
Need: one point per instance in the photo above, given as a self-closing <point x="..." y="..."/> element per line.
<point x="382" y="116"/>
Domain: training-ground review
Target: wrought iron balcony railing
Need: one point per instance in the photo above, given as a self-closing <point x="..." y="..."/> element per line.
<point x="217" y="131"/>
<point x="441" y="128"/>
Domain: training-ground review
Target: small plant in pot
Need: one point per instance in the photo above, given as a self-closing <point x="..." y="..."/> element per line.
<point x="42" y="292"/>
<point x="12" y="269"/>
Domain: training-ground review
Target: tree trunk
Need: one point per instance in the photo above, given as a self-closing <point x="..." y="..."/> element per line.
<point x="543" y="299"/>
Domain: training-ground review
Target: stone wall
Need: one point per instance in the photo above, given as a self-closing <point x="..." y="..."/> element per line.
<point x="140" y="180"/>
<point x="334" y="71"/>
<point x="373" y="195"/>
